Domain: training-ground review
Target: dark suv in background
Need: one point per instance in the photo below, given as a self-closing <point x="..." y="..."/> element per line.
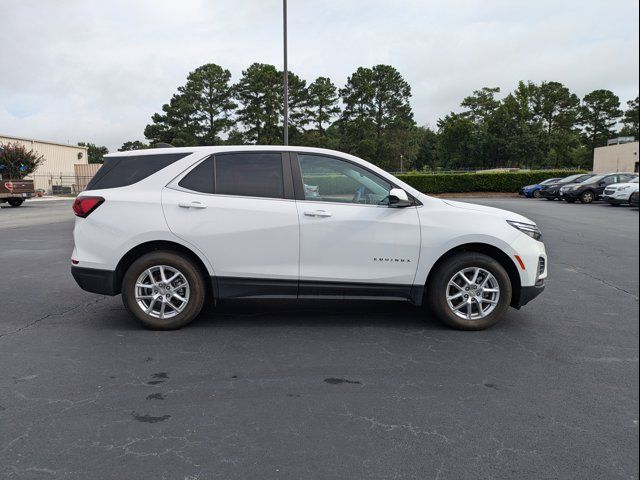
<point x="592" y="189"/>
<point x="551" y="191"/>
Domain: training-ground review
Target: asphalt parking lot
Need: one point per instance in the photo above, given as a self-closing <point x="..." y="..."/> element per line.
<point x="287" y="390"/>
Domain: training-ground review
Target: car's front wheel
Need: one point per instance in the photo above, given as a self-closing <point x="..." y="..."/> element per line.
<point x="587" y="197"/>
<point x="164" y="290"/>
<point x="536" y="194"/>
<point x="469" y="291"/>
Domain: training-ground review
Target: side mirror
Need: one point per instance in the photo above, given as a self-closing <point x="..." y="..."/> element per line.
<point x="398" y="198"/>
<point x="602" y="184"/>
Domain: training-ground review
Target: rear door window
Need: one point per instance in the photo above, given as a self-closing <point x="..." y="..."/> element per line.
<point x="249" y="175"/>
<point x="123" y="171"/>
<point x="200" y="179"/>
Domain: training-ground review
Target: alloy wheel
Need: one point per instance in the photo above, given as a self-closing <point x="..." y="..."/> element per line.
<point x="162" y="291"/>
<point x="473" y="293"/>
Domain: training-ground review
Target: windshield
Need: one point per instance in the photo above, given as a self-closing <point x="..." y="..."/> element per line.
<point x="595" y="179"/>
<point x="549" y="180"/>
<point x="572" y="178"/>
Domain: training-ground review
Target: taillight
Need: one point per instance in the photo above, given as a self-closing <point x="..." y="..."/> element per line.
<point x="83" y="206"/>
<point x="8" y="186"/>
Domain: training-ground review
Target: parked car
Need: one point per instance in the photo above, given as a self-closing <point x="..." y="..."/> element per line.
<point x="167" y="228"/>
<point x="533" y="191"/>
<point x="633" y="201"/>
<point x="551" y="191"/>
<point x="620" y="193"/>
<point x="15" y="191"/>
<point x="592" y="189"/>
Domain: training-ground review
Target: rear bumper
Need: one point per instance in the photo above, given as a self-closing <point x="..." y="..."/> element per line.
<point x="529" y="293"/>
<point x="96" y="281"/>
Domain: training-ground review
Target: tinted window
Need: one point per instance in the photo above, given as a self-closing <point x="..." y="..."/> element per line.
<point x="249" y="174"/>
<point x="200" y="179"/>
<point x="123" y="171"/>
<point x="328" y="179"/>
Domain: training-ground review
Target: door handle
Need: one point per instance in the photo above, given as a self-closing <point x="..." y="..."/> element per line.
<point x="191" y="205"/>
<point x="317" y="213"/>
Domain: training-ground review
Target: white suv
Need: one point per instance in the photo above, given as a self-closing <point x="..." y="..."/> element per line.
<point x="170" y="227"/>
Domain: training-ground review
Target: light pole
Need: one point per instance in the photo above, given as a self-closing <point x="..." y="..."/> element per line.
<point x="286" y="74"/>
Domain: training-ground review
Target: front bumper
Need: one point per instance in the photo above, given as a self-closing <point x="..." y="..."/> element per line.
<point x="94" y="280"/>
<point x="569" y="195"/>
<point x="549" y="193"/>
<point x="529" y="293"/>
<point x="617" y="198"/>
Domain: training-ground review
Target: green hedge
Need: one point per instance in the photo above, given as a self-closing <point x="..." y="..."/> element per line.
<point x="479" y="182"/>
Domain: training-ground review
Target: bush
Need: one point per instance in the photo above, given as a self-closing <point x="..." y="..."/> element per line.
<point x="479" y="182"/>
<point x="17" y="162"/>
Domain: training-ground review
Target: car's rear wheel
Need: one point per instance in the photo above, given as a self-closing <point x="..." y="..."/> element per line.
<point x="15" y="202"/>
<point x="164" y="290"/>
<point x="587" y="197"/>
<point x="469" y="291"/>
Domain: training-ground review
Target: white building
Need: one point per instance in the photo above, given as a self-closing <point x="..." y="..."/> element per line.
<point x="621" y="157"/>
<point x="58" y="167"/>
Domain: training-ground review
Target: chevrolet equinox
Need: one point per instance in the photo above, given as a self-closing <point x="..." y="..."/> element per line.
<point x="169" y="227"/>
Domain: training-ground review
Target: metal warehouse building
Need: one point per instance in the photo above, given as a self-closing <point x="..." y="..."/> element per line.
<point x="62" y="167"/>
<point x="616" y="157"/>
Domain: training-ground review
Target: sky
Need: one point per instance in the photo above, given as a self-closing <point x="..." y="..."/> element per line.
<point x="96" y="71"/>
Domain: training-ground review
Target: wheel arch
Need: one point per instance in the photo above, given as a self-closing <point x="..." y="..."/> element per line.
<point x="136" y="252"/>
<point x="492" y="251"/>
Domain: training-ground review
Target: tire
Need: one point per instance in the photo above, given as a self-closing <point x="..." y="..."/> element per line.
<point x="536" y="194"/>
<point x="439" y="288"/>
<point x="587" y="197"/>
<point x="177" y="312"/>
<point x="15" y="202"/>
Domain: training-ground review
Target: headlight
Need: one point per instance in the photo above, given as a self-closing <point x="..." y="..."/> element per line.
<point x="622" y="189"/>
<point x="573" y="187"/>
<point x="530" y="229"/>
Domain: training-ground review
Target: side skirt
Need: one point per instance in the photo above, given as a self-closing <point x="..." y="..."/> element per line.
<point x="239" y="287"/>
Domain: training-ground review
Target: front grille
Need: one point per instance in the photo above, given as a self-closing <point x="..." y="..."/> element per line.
<point x="542" y="264"/>
<point x="609" y="191"/>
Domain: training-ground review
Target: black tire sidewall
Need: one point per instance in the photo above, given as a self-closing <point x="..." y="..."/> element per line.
<point x="186" y="267"/>
<point x="437" y="288"/>
<point x="15" y="202"/>
<point x="536" y="194"/>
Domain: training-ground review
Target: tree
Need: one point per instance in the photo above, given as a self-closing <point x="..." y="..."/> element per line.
<point x="212" y="95"/>
<point x="17" y="162"/>
<point x="300" y="114"/>
<point x="427" y="155"/>
<point x="94" y="152"/>
<point x="630" y="119"/>
<point x="377" y="120"/>
<point x="259" y="93"/>
<point x="323" y="102"/>
<point x="199" y="113"/>
<point x="133" y="145"/>
<point x="599" y="112"/>
<point x="558" y="110"/>
<point x="176" y="125"/>
<point x="481" y="104"/>
<point x="457" y="142"/>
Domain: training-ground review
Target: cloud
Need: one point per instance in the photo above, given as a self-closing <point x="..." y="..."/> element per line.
<point x="97" y="71"/>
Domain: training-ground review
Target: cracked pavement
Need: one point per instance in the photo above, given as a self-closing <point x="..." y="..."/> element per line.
<point x="323" y="390"/>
